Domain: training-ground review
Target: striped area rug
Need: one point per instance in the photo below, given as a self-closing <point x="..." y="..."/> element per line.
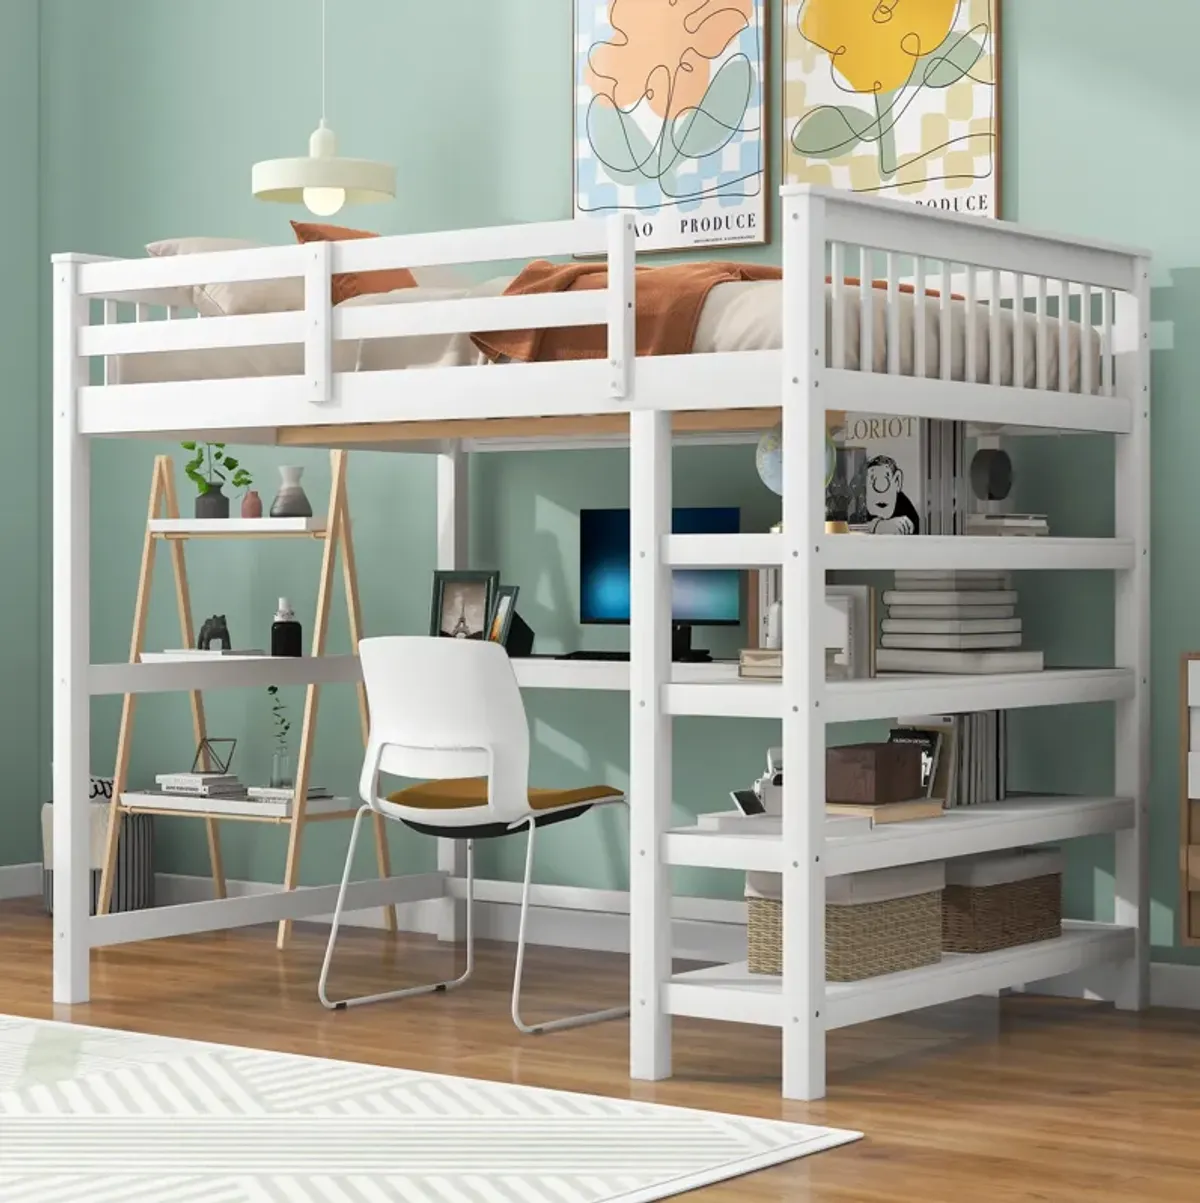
<point x="112" y="1117"/>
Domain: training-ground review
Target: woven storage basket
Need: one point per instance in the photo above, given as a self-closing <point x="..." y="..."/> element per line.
<point x="983" y="914"/>
<point x="862" y="940"/>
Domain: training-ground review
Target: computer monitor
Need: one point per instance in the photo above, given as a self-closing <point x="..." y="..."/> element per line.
<point x="703" y="597"/>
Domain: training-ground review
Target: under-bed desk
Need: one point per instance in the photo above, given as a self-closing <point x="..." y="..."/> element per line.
<point x="984" y="344"/>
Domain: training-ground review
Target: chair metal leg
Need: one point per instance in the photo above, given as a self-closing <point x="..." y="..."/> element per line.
<point x="410" y="991"/>
<point x="552" y="1025"/>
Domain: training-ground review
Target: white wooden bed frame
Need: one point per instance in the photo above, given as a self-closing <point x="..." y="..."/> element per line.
<point x="448" y="411"/>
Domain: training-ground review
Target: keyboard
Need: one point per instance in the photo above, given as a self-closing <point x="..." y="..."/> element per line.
<point x="594" y="656"/>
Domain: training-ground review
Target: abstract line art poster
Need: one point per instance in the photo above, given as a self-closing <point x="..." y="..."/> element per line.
<point x="669" y="118"/>
<point x="894" y="98"/>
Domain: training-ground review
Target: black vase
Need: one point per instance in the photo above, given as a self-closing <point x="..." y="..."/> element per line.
<point x="212" y="503"/>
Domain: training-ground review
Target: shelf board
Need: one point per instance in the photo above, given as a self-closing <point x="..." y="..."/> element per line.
<point x="727" y="695"/>
<point x="245" y="808"/>
<point x="237" y="528"/>
<point x="733" y="993"/>
<point x="866" y="553"/>
<point x="961" y="831"/>
<point x="222" y="673"/>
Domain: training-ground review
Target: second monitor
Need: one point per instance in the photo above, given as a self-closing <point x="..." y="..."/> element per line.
<point x="700" y="597"/>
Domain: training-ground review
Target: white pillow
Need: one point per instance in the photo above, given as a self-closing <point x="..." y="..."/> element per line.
<point x="225" y="300"/>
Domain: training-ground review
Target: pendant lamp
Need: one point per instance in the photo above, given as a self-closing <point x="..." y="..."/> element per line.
<point x="322" y="181"/>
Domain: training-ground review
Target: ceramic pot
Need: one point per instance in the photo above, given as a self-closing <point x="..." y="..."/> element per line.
<point x="291" y="500"/>
<point x="252" y="505"/>
<point x="212" y="503"/>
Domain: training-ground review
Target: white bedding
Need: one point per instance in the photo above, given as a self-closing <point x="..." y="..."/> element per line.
<point x="738" y="316"/>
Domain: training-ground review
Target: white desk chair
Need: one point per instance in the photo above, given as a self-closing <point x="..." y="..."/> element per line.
<point x="449" y="711"/>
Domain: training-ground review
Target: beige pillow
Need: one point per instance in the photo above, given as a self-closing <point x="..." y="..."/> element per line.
<point x="226" y="300"/>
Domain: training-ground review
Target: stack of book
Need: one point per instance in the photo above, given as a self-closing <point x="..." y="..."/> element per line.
<point x="953" y="622"/>
<point x="201" y="785"/>
<point x="761" y="663"/>
<point x="1007" y="524"/>
<point x="965" y="755"/>
<point x="285" y="793"/>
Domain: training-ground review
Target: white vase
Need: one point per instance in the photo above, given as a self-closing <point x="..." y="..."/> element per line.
<point x="291" y="501"/>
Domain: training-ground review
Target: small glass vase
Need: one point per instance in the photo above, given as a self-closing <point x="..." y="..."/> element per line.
<point x="281" y="770"/>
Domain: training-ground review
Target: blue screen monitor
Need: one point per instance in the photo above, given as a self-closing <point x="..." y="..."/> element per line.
<point x="702" y="597"/>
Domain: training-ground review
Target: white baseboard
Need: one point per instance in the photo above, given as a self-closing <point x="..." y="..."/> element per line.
<point x="704" y="930"/>
<point x="20" y="881"/>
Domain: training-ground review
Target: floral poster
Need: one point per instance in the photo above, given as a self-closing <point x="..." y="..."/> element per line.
<point x="669" y="113"/>
<point x="895" y="98"/>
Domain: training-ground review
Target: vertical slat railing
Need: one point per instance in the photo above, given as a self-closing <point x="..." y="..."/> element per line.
<point x="893" y="314"/>
<point x="838" y="303"/>
<point x="866" y="297"/>
<point x="1086" y="382"/>
<point x="970" y="371"/>
<point x="1107" y="301"/>
<point x="946" y="324"/>
<point x="994" y="329"/>
<point x="1064" y="336"/>
<point x="1043" y="350"/>
<point x="1018" y="338"/>
<point x="920" y="333"/>
<point x="111" y="317"/>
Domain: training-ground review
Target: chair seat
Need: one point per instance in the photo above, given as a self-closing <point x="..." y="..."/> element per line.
<point x="460" y="793"/>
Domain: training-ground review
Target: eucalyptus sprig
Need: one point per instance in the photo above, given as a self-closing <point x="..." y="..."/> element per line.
<point x="210" y="467"/>
<point x="279" y="713"/>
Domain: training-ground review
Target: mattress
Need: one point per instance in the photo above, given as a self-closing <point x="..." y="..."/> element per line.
<point x="737" y="316"/>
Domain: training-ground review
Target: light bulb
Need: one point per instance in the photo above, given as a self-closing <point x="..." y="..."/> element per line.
<point x="324" y="202"/>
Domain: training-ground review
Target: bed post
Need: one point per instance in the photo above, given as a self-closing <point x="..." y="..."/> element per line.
<point x="1131" y="767"/>
<point x="71" y="618"/>
<point x="803" y="590"/>
<point x="453" y="551"/>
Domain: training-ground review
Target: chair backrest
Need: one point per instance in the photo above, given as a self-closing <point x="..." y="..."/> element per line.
<point x="446" y="708"/>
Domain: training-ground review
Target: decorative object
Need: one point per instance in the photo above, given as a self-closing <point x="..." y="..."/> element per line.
<point x="323" y="182"/>
<point x="270" y="1135"/>
<point x="133" y="880"/>
<point x="214" y="629"/>
<point x="281" y="760"/>
<point x="896" y="100"/>
<point x="462" y="603"/>
<point x="252" y="506"/>
<point x="520" y="637"/>
<point x="209" y="469"/>
<point x="873" y="773"/>
<point x="845" y="488"/>
<point x="502" y="613"/>
<point x="1002" y="900"/>
<point x="886" y="921"/>
<point x="208" y="758"/>
<point x="670" y="110"/>
<point x="768" y="459"/>
<point x="291" y="501"/>
<point x="285" y="631"/>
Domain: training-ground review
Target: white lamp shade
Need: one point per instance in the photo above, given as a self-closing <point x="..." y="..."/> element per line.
<point x="324" y="176"/>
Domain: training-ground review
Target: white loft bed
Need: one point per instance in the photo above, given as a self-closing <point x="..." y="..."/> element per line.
<point x="718" y="395"/>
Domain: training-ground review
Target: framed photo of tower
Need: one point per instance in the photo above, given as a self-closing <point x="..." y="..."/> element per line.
<point x="895" y="99"/>
<point x="462" y="603"/>
<point x="670" y="107"/>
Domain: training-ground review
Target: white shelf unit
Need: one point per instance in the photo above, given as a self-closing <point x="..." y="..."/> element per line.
<point x="646" y="404"/>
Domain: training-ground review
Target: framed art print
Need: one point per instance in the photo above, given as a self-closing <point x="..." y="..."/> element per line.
<point x="462" y="604"/>
<point x="670" y="113"/>
<point x="895" y="98"/>
<point x="502" y="614"/>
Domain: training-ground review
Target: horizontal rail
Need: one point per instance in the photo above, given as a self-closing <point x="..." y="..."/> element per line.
<point x="306" y="902"/>
<point x="201" y="334"/>
<point x="471" y="315"/>
<point x="119" y="276"/>
<point x="532" y="240"/>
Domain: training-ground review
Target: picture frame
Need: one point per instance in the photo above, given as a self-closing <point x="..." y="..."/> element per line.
<point x="505" y="607"/>
<point x="671" y="117"/>
<point x="860" y="113"/>
<point x="462" y="603"/>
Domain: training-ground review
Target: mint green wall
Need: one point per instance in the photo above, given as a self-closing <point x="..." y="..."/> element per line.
<point x="21" y="268"/>
<point x="151" y="115"/>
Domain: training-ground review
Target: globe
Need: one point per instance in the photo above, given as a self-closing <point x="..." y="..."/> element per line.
<point x="768" y="459"/>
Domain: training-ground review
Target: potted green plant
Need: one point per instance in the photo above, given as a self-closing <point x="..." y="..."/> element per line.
<point x="281" y="760"/>
<point x="209" y="469"/>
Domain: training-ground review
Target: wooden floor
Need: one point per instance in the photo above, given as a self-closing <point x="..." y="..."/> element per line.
<point x="981" y="1102"/>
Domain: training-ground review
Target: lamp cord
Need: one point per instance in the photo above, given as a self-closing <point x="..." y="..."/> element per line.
<point x="324" y="65"/>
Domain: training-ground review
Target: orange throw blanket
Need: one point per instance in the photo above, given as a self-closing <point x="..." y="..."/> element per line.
<point x="669" y="301"/>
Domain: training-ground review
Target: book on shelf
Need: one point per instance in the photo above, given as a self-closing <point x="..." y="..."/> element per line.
<point x="1007" y="524"/>
<point x="889" y="812"/>
<point x="951" y="580"/>
<point x="277" y="793"/>
<point x="199" y="784"/>
<point x="973" y="767"/>
<point x="906" y="660"/>
<point x="965" y="599"/>
<point x="760" y="662"/>
<point x="951" y="642"/>
<point x="929" y="740"/>
<point x="880" y="477"/>
<point x="951" y="626"/>
<point x="952" y="613"/>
